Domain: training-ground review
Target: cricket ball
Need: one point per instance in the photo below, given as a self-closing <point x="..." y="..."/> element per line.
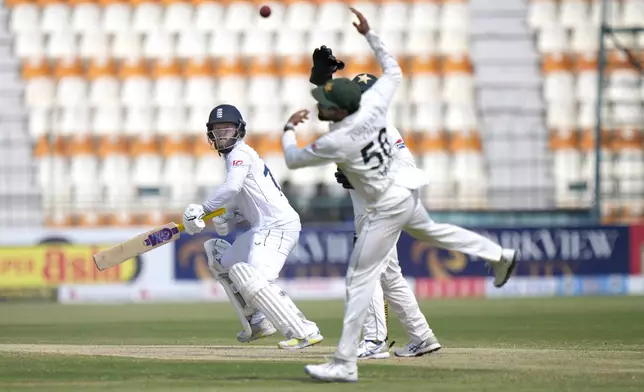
<point x="265" y="11"/>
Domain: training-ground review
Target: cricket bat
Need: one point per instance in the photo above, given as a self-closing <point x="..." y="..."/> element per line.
<point x="143" y="243"/>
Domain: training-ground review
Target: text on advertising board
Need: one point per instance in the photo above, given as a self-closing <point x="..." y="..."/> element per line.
<point x="49" y="265"/>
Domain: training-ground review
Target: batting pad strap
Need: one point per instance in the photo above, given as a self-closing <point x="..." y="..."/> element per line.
<point x="268" y="299"/>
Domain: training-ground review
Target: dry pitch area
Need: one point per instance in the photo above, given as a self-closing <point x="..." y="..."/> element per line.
<point x="583" y="344"/>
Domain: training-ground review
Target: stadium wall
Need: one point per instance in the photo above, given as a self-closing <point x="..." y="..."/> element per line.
<point x="57" y="265"/>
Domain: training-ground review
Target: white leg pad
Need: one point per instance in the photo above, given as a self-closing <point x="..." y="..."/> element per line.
<point x="215" y="248"/>
<point x="266" y="297"/>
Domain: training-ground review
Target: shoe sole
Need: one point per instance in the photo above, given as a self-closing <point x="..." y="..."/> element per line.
<point x="432" y="348"/>
<point x="510" y="270"/>
<point x="328" y="379"/>
<point x="299" y="347"/>
<point x="375" y="356"/>
<point x="257" y="338"/>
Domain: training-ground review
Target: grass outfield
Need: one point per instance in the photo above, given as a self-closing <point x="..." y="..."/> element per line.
<point x="564" y="344"/>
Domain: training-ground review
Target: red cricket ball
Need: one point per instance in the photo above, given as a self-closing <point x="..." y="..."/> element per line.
<point x="265" y="11"/>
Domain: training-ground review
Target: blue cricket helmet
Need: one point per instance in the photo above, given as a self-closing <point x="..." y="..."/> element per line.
<point x="224" y="114"/>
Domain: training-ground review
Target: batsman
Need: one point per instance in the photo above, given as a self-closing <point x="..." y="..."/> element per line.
<point x="374" y="344"/>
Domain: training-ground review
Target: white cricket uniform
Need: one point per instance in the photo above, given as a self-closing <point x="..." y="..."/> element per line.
<point x="251" y="193"/>
<point x="361" y="148"/>
<point x="392" y="281"/>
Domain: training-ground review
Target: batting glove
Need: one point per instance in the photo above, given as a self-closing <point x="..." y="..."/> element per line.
<point x="324" y="65"/>
<point x="193" y="219"/>
<point x="222" y="227"/>
<point x="340" y="178"/>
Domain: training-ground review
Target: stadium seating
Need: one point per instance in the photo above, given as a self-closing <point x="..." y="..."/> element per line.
<point x="118" y="93"/>
<point x="567" y="38"/>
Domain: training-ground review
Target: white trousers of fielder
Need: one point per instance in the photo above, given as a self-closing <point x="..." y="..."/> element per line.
<point x="379" y="232"/>
<point x="393" y="286"/>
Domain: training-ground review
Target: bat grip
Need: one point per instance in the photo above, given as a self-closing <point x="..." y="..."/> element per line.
<point x="209" y="216"/>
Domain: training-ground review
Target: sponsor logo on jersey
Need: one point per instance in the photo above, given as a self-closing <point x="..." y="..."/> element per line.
<point x="238" y="163"/>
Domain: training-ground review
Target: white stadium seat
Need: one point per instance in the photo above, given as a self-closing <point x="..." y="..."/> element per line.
<point x="62" y="45"/>
<point x="168" y="91"/>
<point x="352" y="44"/>
<point x="117" y="17"/>
<point x="633" y="12"/>
<point x="224" y="43"/>
<point x="24" y="17"/>
<point x="542" y="13"/>
<point x="39" y="122"/>
<point x="331" y="15"/>
<point x="458" y="88"/>
<point x="55" y="17"/>
<point x="94" y="45"/>
<point x="257" y="43"/>
<point x="299" y="16"/>
<point x="559" y="86"/>
<point x="126" y="44"/>
<point x="561" y="115"/>
<point x="585" y="39"/>
<point x="210" y="170"/>
<point x="460" y="117"/>
<point x="107" y="120"/>
<point x="86" y="17"/>
<point x="424" y="16"/>
<point x="290" y="43"/>
<point x="30" y="45"/>
<point x="573" y="13"/>
<point x="420" y="42"/>
<point x="71" y="91"/>
<point x="199" y="90"/>
<point x="146" y="16"/>
<point x="192" y="44"/>
<point x="265" y="118"/>
<point x="158" y="44"/>
<point x="427" y="117"/>
<point x="104" y="91"/>
<point x="178" y="173"/>
<point x="393" y="16"/>
<point x="317" y="38"/>
<point x="197" y="118"/>
<point x="552" y="40"/>
<point x="139" y="121"/>
<point x="170" y="121"/>
<point x="40" y="92"/>
<point x="209" y="16"/>
<point x="74" y="120"/>
<point x="239" y="16"/>
<point x="136" y="91"/>
<point x="178" y="16"/>
<point x="454" y="16"/>
<point x="453" y="43"/>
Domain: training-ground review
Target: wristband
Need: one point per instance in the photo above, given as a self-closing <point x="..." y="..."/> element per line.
<point x="289" y="127"/>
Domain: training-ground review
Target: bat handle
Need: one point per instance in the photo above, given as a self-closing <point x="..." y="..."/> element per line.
<point x="209" y="216"/>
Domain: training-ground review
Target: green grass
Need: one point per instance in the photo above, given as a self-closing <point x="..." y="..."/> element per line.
<point x="574" y="344"/>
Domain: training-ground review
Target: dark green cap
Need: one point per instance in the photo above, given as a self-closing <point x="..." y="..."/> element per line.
<point x="341" y="93"/>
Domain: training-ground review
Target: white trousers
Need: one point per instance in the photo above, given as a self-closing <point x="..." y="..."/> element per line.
<point x="266" y="250"/>
<point x="393" y="286"/>
<point x="378" y="234"/>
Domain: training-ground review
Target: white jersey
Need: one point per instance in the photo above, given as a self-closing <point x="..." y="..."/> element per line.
<point x="360" y="144"/>
<point x="251" y="191"/>
<point x="405" y="156"/>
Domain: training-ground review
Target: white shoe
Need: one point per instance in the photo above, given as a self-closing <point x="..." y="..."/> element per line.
<point x="298" y="344"/>
<point x="504" y="267"/>
<point x="419" y="349"/>
<point x="371" y="349"/>
<point x="259" y="330"/>
<point x="334" y="371"/>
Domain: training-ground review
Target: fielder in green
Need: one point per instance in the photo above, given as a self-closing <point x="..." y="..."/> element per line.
<point x="374" y="344"/>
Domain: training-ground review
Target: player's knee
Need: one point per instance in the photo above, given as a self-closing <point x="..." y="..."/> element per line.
<point x="247" y="280"/>
<point x="215" y="249"/>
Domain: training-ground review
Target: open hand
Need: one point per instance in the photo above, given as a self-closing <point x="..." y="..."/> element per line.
<point x="363" y="26"/>
<point x="299" y="117"/>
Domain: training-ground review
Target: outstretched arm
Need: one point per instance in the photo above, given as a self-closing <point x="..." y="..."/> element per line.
<point x="319" y="153"/>
<point x="385" y="88"/>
